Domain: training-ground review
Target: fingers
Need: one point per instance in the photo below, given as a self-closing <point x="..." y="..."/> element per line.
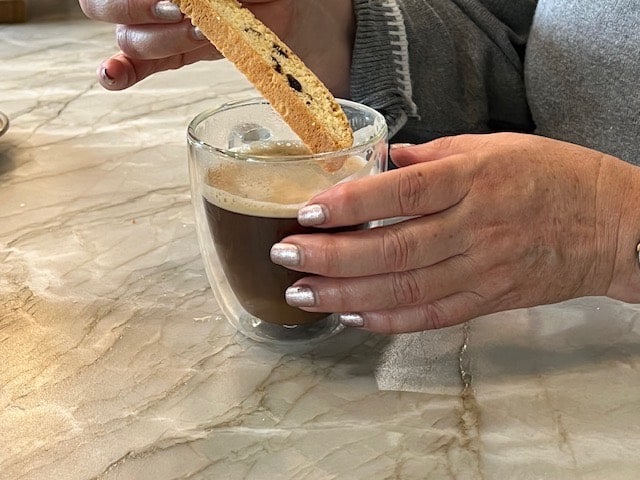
<point x="470" y="145"/>
<point x="160" y="41"/>
<point x="406" y="154"/>
<point x="408" y="299"/>
<point x="153" y="36"/>
<point x="408" y="245"/>
<point x="133" y="12"/>
<point x="120" y="72"/>
<point x="421" y="189"/>
<point x="437" y="313"/>
<point x="446" y="312"/>
<point x="383" y="292"/>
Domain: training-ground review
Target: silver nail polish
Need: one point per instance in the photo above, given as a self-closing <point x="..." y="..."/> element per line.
<point x="285" y="254"/>
<point x="352" y="320"/>
<point x="398" y="146"/>
<point x="300" y="297"/>
<point x="312" y="215"/>
<point x="165" y="10"/>
<point x="197" y="34"/>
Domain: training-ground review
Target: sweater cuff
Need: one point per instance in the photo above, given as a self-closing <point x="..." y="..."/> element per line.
<point x="380" y="73"/>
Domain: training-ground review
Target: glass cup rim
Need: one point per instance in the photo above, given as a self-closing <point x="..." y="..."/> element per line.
<point x="201" y="144"/>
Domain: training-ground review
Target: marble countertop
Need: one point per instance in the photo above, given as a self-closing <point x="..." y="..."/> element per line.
<point x="116" y="362"/>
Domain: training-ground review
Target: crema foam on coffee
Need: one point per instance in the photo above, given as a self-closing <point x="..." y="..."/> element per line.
<point x="274" y="187"/>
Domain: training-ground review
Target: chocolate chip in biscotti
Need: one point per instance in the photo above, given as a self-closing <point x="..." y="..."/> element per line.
<point x="294" y="83"/>
<point x="276" y="65"/>
<point x="252" y="30"/>
<point x="278" y="49"/>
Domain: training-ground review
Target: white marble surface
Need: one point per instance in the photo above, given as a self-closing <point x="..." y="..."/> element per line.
<point x="115" y="362"/>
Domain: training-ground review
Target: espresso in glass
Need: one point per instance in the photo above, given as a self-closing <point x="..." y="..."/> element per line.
<point x="249" y="208"/>
<point x="249" y="177"/>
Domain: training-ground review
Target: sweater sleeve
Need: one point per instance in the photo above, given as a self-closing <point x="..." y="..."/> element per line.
<point x="443" y="67"/>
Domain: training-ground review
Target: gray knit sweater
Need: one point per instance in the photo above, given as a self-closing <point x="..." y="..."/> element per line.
<point x="567" y="69"/>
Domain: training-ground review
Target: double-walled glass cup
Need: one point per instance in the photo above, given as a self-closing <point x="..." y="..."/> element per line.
<point x="249" y="176"/>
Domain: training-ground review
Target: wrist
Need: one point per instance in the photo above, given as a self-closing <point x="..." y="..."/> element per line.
<point x="625" y="279"/>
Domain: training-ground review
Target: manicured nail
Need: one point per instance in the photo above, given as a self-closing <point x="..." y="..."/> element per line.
<point x="104" y="76"/>
<point x="398" y="146"/>
<point x="285" y="254"/>
<point x="352" y="320"/>
<point x="165" y="10"/>
<point x="312" y="215"/>
<point x="197" y="34"/>
<point x="300" y="297"/>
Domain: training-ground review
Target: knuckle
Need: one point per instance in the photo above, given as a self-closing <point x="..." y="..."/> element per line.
<point x="342" y="196"/>
<point x="132" y="43"/>
<point x="434" y="316"/>
<point x="386" y="322"/>
<point x="407" y="289"/>
<point x="92" y="9"/>
<point x="389" y="325"/>
<point x="107" y="11"/>
<point x="123" y="38"/>
<point x="328" y="257"/>
<point x="447" y="142"/>
<point x="338" y="296"/>
<point x="396" y="249"/>
<point x="409" y="191"/>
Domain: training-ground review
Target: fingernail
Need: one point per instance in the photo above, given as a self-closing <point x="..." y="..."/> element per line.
<point x="300" y="297"/>
<point x="352" y="320"/>
<point x="165" y="10"/>
<point x="398" y="146"/>
<point x="312" y="215"/>
<point x="197" y="34"/>
<point x="104" y="76"/>
<point x="285" y="254"/>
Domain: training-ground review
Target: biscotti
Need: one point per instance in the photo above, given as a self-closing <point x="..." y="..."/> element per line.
<point x="278" y="74"/>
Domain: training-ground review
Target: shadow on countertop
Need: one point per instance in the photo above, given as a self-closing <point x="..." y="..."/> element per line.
<point x="6" y="157"/>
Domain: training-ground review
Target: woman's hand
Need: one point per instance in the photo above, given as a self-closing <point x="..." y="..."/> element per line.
<point x="154" y="36"/>
<point x="502" y="221"/>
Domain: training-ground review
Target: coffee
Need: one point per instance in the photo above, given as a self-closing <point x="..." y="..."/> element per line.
<point x="252" y="205"/>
